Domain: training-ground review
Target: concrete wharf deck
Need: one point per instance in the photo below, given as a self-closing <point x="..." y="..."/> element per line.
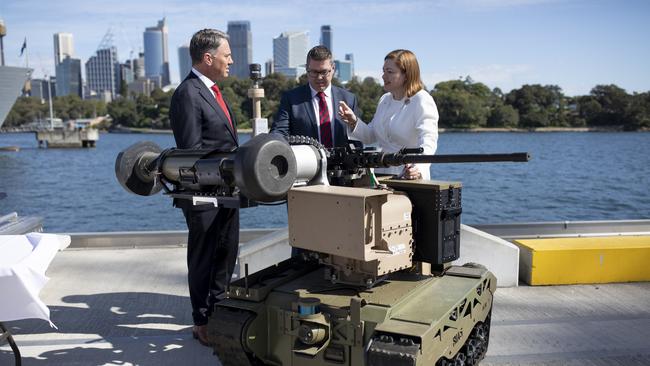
<point x="120" y="306"/>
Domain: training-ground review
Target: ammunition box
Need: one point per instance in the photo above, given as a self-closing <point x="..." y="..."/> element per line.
<point x="436" y="218"/>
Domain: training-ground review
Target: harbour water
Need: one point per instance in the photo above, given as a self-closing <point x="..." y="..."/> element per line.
<point x="572" y="176"/>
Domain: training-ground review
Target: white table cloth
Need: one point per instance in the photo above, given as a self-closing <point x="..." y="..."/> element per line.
<point x="23" y="261"/>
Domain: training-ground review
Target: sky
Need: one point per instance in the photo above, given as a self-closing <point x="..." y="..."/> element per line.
<point x="575" y="44"/>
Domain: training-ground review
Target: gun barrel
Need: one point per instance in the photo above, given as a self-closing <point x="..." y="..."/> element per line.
<point x="397" y="159"/>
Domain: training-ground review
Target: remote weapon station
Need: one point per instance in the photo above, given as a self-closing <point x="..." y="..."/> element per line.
<point x="373" y="285"/>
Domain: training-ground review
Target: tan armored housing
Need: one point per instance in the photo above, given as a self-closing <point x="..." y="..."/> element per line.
<point x="363" y="230"/>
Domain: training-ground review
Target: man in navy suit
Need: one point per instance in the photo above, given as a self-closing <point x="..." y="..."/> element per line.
<point x="311" y="110"/>
<point x="200" y="118"/>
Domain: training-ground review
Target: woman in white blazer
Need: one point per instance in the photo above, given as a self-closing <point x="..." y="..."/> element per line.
<point x="406" y="115"/>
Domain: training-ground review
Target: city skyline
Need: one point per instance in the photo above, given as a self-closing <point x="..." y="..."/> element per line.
<point x="575" y="44"/>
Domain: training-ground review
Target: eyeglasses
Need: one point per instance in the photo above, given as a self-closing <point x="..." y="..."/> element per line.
<point x="316" y="74"/>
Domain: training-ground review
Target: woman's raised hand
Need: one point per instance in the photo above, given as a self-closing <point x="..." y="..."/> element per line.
<point x="347" y="115"/>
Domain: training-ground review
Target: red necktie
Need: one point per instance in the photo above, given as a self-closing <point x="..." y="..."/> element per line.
<point x="325" y="122"/>
<point x="222" y="104"/>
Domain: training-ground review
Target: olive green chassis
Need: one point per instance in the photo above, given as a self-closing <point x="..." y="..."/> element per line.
<point x="408" y="319"/>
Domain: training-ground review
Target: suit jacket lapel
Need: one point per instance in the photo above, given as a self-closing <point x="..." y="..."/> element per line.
<point x="309" y="108"/>
<point x="206" y="94"/>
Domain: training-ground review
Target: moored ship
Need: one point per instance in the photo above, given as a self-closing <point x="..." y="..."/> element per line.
<point x="12" y="80"/>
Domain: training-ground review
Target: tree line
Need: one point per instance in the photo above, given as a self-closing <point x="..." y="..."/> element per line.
<point x="461" y="104"/>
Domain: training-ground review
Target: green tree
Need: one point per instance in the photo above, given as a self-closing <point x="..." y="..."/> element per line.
<point x="302" y="79"/>
<point x="274" y="85"/>
<point x="539" y="106"/>
<point x="503" y="115"/>
<point x="463" y="103"/>
<point x="587" y="108"/>
<point x="70" y="107"/>
<point x="30" y="109"/>
<point x="637" y="115"/>
<point x="613" y="101"/>
<point x="123" y="112"/>
<point x="93" y="108"/>
<point x="162" y="100"/>
<point x="25" y="110"/>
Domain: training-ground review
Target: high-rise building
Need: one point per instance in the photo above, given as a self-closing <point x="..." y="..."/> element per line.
<point x="66" y="67"/>
<point x="156" y="58"/>
<point x="41" y="89"/>
<point x="269" y="68"/>
<point x="68" y="77"/>
<point x="63" y="47"/>
<point x="142" y="86"/>
<point x="102" y="72"/>
<point x="184" y="61"/>
<point x="289" y="53"/>
<point x="344" y="68"/>
<point x="350" y="57"/>
<point x="241" y="45"/>
<point x="126" y="76"/>
<point x="326" y="37"/>
<point x="138" y="66"/>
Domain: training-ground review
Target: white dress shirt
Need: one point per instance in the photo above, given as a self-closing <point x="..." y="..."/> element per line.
<point x="206" y="80"/>
<point x="330" y="109"/>
<point x="409" y="122"/>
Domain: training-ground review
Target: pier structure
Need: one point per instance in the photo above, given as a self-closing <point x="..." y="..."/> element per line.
<point x="54" y="133"/>
<point x="61" y="138"/>
<point x="57" y="134"/>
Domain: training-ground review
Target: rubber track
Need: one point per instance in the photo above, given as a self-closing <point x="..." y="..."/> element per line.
<point x="474" y="349"/>
<point x="227" y="328"/>
<point x="389" y="351"/>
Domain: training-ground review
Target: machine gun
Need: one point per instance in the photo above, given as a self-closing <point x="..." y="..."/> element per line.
<point x="354" y="297"/>
<point x="263" y="169"/>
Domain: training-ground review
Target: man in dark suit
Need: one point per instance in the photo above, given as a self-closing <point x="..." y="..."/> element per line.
<point x="200" y="118"/>
<point x="311" y="110"/>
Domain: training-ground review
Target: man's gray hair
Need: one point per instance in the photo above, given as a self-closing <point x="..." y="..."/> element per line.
<point x="205" y="40"/>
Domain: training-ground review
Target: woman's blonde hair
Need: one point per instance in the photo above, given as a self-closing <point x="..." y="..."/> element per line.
<point x="406" y="61"/>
